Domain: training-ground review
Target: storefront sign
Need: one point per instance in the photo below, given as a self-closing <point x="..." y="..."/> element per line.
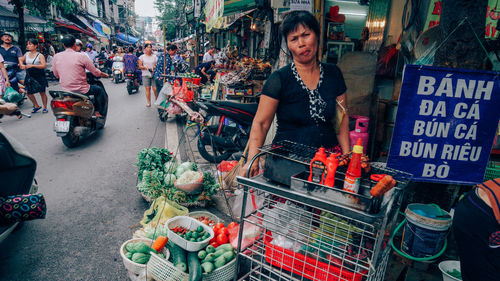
<point x="301" y="5"/>
<point x="492" y="16"/>
<point x="445" y="124"/>
<point x="214" y="9"/>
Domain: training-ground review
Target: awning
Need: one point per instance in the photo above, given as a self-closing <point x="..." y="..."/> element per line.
<point x="89" y="26"/>
<point x="183" y="39"/>
<point x="67" y="24"/>
<point x="227" y="21"/>
<point x="102" y="27"/>
<point x="126" y="38"/>
<point x="8" y="20"/>
<point x="232" y="7"/>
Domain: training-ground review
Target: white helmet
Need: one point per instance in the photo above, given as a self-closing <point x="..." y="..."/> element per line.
<point x="79" y="42"/>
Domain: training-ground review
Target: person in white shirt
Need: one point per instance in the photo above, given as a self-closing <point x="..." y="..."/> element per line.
<point x="208" y="56"/>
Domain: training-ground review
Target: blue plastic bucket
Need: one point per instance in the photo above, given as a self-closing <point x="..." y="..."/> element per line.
<point x="425" y="230"/>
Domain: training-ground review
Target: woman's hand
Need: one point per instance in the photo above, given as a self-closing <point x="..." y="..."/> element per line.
<point x="7" y="83"/>
<point x="254" y="170"/>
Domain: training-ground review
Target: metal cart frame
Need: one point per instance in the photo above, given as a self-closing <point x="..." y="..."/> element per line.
<point x="331" y="241"/>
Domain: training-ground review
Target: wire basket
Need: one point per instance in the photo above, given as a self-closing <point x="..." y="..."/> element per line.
<point x="196" y="215"/>
<point x="492" y="171"/>
<point x="162" y="270"/>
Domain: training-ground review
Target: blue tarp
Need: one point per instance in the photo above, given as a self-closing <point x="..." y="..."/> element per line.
<point x="126" y="38"/>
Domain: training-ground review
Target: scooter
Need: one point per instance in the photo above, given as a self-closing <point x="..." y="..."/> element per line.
<point x="132" y="82"/>
<point x="118" y="70"/>
<point x="74" y="114"/>
<point x="226" y="128"/>
<point x="17" y="172"/>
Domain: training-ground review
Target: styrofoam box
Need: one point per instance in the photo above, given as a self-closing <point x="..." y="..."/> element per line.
<point x="191" y="224"/>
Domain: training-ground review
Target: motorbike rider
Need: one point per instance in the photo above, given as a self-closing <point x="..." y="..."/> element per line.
<point x="79" y="45"/>
<point x="131" y="64"/>
<point x="91" y="52"/>
<point x="12" y="55"/>
<point x="69" y="67"/>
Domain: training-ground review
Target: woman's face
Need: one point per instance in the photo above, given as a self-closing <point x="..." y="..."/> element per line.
<point x="303" y="44"/>
<point x="148" y="50"/>
<point x="120" y="50"/>
<point x="30" y="46"/>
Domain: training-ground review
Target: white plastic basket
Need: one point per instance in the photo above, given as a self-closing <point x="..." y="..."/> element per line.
<point x="197" y="214"/>
<point x="137" y="271"/>
<point x="163" y="270"/>
<point x="447" y="266"/>
<point x="190" y="224"/>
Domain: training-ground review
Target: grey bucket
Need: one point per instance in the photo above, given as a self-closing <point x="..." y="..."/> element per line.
<point x="425" y="230"/>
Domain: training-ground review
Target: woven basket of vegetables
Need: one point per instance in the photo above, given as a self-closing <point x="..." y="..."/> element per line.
<point x="135" y="254"/>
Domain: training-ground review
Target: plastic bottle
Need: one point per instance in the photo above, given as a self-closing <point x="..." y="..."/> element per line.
<point x="353" y="174"/>
<point x="317" y="169"/>
<point x="332" y="162"/>
<point x="361" y="131"/>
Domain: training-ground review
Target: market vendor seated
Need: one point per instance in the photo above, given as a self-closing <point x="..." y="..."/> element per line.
<point x="205" y="71"/>
<point x="303" y="95"/>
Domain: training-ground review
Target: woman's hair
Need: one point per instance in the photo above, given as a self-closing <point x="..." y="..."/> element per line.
<point x="33" y="41"/>
<point x="148" y="45"/>
<point x="130" y="49"/>
<point x="295" y="18"/>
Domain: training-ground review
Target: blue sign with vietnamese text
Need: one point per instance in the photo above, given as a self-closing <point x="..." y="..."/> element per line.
<point x="445" y="124"/>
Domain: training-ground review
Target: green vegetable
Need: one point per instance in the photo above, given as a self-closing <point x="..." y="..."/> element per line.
<point x="161" y="255"/>
<point x="130" y="247"/>
<point x="226" y="247"/>
<point x="171" y="166"/>
<point x="194" y="267"/>
<point x="220" y="261"/>
<point x="128" y="255"/>
<point x="229" y="255"/>
<point x="209" y="258"/>
<point x="208" y="267"/>
<point x="152" y="158"/>
<point x="140" y="258"/>
<point x="202" y="254"/>
<point x="194" y="234"/>
<point x="186" y="166"/>
<point x="141" y="247"/>
<point x="169" y="179"/>
<point x="219" y="253"/>
<point x="210" y="249"/>
<point x="178" y="256"/>
<point x="200" y="228"/>
<point x="455" y="273"/>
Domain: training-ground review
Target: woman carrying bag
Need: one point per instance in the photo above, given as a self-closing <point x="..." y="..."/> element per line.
<point x="34" y="63"/>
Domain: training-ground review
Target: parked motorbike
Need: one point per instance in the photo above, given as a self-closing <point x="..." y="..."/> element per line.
<point x="132" y="82"/>
<point x="74" y="114"/>
<point x="104" y="65"/>
<point x="181" y="66"/>
<point x="118" y="70"/>
<point x="226" y="128"/>
<point x="17" y="171"/>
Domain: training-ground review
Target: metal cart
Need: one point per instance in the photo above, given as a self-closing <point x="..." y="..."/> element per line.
<point x="305" y="233"/>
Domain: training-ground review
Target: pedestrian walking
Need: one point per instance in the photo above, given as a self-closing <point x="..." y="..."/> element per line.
<point x="147" y="63"/>
<point x="34" y="63"/>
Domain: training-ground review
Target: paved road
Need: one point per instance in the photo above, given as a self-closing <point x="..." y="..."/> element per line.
<point x="90" y="192"/>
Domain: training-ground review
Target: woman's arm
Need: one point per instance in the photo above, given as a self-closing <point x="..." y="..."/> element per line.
<point x="21" y="62"/>
<point x="343" y="136"/>
<point x="141" y="66"/>
<point x="5" y="75"/>
<point x="260" y="126"/>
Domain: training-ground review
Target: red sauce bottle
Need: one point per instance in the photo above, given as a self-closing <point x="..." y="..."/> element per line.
<point x="332" y="162"/>
<point x="353" y="174"/>
<point x="317" y="169"/>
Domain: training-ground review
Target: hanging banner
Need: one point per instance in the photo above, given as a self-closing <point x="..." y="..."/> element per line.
<point x="214" y="9"/>
<point x="301" y="5"/>
<point x="492" y="16"/>
<point x="197" y="8"/>
<point x="445" y="124"/>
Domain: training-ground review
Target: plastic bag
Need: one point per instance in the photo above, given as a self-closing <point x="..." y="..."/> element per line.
<point x="253" y="202"/>
<point x="182" y="92"/>
<point x="173" y="109"/>
<point x="161" y="211"/>
<point x="251" y="232"/>
<point x="163" y="95"/>
<point x="12" y="95"/>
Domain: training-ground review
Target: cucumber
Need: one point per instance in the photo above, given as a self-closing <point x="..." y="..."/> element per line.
<point x="208" y="267"/>
<point x="220" y="261"/>
<point x="202" y="254"/>
<point x="210" y="249"/>
<point x="229" y="255"/>
<point x="178" y="256"/>
<point x="194" y="267"/>
<point x="209" y="258"/>
<point x="219" y="253"/>
<point x="226" y="247"/>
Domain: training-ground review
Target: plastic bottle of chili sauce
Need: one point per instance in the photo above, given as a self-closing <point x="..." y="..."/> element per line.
<point x="353" y="174"/>
<point x="317" y="168"/>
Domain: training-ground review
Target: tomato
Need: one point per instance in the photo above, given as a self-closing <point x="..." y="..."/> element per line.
<point x="213" y="239"/>
<point x="218" y="225"/>
<point x="224" y="231"/>
<point x="232" y="224"/>
<point x="222" y="239"/>
<point x="215" y="244"/>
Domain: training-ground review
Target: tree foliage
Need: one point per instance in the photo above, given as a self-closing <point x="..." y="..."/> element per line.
<point x="40" y="7"/>
<point x="173" y="15"/>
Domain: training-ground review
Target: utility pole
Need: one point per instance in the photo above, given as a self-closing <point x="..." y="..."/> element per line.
<point x="19" y="8"/>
